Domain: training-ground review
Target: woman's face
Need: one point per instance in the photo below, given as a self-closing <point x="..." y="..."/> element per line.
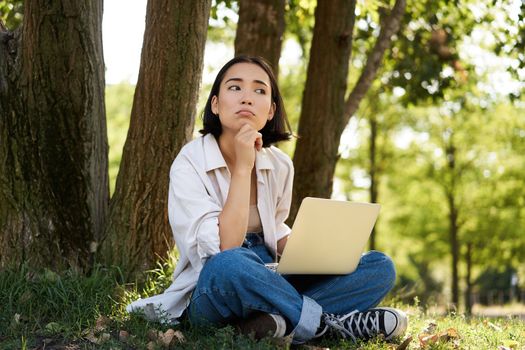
<point x="245" y="97"/>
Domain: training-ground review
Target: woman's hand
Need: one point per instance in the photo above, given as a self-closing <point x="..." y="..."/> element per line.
<point x="246" y="142"/>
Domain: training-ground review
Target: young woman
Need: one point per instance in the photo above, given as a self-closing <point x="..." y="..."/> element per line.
<point x="229" y="196"/>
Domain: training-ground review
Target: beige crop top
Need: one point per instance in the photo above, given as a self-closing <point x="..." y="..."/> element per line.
<point x="254" y="220"/>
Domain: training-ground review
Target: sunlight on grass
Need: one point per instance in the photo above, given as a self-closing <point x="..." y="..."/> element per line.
<point x="89" y="312"/>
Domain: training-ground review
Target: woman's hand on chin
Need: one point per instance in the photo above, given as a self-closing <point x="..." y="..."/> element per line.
<point x="246" y="142"/>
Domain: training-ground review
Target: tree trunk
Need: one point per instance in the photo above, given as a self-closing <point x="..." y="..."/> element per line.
<point x="454" y="250"/>
<point x="260" y="30"/>
<point x="324" y="112"/>
<point x="162" y="120"/>
<point x="374" y="178"/>
<point x="453" y="223"/>
<point x="320" y="124"/>
<point x="468" y="280"/>
<point x="53" y="143"/>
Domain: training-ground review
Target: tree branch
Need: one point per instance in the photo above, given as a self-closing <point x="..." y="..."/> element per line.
<point x="388" y="29"/>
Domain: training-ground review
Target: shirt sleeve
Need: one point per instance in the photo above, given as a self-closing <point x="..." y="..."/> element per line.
<point x="193" y="215"/>
<point x="283" y="205"/>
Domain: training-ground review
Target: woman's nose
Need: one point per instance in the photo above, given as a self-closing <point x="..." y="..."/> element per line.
<point x="246" y="99"/>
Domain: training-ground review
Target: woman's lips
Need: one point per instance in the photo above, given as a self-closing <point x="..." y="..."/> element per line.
<point x="245" y="113"/>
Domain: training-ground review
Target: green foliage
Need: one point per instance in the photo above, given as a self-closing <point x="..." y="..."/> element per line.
<point x="507" y="28"/>
<point x="11" y="13"/>
<point x="427" y="48"/>
<point x="223" y="21"/>
<point x="299" y="19"/>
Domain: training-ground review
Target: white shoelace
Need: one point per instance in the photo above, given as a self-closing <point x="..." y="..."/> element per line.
<point x="347" y="325"/>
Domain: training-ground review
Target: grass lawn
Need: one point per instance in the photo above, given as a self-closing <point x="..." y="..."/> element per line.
<point x="68" y="311"/>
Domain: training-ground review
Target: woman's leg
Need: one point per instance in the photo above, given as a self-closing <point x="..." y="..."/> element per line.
<point x="234" y="284"/>
<point x="360" y="290"/>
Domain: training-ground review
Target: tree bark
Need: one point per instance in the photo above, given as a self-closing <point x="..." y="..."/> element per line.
<point x="53" y="143"/>
<point x="324" y="112"/>
<point x="162" y="120"/>
<point x="373" y="171"/>
<point x="260" y="30"/>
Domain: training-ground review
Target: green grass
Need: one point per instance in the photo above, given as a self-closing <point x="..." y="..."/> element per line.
<point x="61" y="311"/>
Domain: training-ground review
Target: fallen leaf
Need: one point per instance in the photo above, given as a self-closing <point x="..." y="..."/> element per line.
<point x="102" y="323"/>
<point x="167" y="337"/>
<point x="123" y="336"/>
<point x="180" y="337"/>
<point x="97" y="339"/>
<point x="430" y="328"/>
<point x="449" y="334"/>
<point x="90" y="336"/>
<point x="452" y="333"/>
<point x="153" y="335"/>
<point x="445" y="336"/>
<point x="425" y="339"/>
<point x="404" y="344"/>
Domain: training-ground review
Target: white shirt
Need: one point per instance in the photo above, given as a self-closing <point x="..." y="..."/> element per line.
<point x="199" y="184"/>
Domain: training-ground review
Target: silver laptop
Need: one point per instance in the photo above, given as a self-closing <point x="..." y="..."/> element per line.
<point x="328" y="237"/>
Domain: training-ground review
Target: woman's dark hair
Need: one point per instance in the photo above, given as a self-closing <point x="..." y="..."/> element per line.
<point x="277" y="129"/>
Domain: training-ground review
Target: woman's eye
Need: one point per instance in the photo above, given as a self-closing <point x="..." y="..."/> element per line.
<point x="234" y="88"/>
<point x="260" y="91"/>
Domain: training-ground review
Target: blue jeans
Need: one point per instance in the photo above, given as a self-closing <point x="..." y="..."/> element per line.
<point x="235" y="284"/>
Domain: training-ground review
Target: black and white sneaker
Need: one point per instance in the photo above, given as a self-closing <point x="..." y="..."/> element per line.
<point x="365" y="325"/>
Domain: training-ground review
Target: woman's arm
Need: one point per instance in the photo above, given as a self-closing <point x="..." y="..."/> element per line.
<point x="233" y="221"/>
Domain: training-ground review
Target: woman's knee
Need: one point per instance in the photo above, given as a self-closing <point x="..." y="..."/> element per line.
<point x="383" y="265"/>
<point x="228" y="264"/>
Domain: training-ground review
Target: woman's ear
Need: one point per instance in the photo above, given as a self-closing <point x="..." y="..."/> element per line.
<point x="214" y="105"/>
<point x="272" y="111"/>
